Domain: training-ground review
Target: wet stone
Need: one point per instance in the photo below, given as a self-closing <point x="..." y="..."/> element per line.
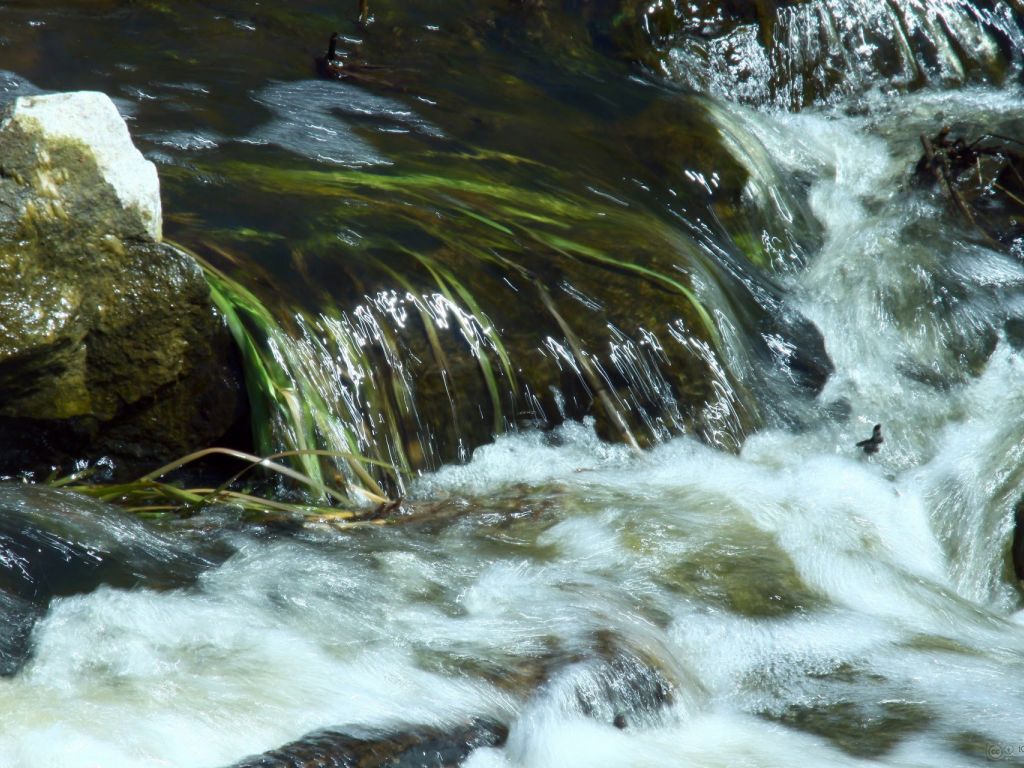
<point x="1017" y="547"/>
<point x="17" y="617"/>
<point x="861" y="729"/>
<point x="109" y="343"/>
<point x="625" y="691"/>
<point x="56" y="543"/>
<point x="411" y="749"/>
<point x="752" y="577"/>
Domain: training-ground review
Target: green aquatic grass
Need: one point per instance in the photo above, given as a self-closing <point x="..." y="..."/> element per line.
<point x="295" y="407"/>
<point x="289" y="414"/>
<point x="447" y="242"/>
<point x="598" y="387"/>
<point x="447" y="283"/>
<point x="152" y="495"/>
<point x="500" y="223"/>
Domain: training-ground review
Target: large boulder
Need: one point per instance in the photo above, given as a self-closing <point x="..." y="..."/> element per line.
<point x="109" y="343"/>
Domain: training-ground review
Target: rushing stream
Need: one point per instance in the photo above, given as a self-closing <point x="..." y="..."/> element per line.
<point x="792" y="602"/>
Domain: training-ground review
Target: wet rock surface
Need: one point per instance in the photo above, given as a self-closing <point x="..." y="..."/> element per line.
<point x="412" y="749"/>
<point x="801" y="52"/>
<point x="17" y="617"/>
<point x="1017" y="547"/>
<point x="109" y="343"/>
<point x="55" y="543"/>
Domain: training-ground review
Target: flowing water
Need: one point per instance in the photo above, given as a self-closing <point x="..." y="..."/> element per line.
<point x="792" y="601"/>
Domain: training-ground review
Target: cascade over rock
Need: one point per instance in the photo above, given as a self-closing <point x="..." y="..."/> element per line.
<point x="794" y="53"/>
<point x="109" y="344"/>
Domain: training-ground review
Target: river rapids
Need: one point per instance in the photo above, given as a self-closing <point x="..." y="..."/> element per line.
<point x="794" y="602"/>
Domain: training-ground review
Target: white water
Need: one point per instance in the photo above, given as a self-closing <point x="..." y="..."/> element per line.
<point x="796" y="577"/>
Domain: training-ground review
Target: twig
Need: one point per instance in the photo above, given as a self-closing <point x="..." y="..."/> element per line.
<point x="940" y="167"/>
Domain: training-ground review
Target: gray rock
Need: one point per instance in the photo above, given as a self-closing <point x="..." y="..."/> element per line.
<point x="109" y="344"/>
<point x="69" y="151"/>
<point x="415" y="748"/>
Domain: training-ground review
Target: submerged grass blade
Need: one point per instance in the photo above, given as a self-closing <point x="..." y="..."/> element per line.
<point x="290" y="416"/>
<point x="592" y="379"/>
<point x="316" y="485"/>
<point x="445" y="283"/>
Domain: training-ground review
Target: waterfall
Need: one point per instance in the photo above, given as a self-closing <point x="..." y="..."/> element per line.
<point x="827" y="51"/>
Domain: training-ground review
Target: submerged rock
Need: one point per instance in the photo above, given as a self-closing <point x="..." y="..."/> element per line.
<point x="56" y="543"/>
<point x="413" y="749"/>
<point x="17" y="617"/>
<point x="1017" y="547"/>
<point x="109" y="344"/>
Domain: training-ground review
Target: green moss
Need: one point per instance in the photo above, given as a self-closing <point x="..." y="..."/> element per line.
<point x="859" y="729"/>
<point x="747" y="574"/>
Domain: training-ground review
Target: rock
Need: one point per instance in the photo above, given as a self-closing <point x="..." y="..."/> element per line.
<point x="17" y="618"/>
<point x="795" y="53"/>
<point x="109" y="343"/>
<point x="413" y="749"/>
<point x="1017" y="546"/>
<point x="46" y="141"/>
<point x="56" y="543"/>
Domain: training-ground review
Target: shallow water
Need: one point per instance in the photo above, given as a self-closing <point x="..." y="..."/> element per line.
<point x="795" y="602"/>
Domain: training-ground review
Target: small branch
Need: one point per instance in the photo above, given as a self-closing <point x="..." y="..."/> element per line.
<point x="940" y="167"/>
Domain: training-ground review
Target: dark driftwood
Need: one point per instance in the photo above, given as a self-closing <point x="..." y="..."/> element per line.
<point x="940" y="166"/>
<point x="983" y="180"/>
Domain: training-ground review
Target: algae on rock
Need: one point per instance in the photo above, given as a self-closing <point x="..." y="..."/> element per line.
<point x="109" y="344"/>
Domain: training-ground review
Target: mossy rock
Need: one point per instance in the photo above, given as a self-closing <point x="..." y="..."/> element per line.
<point x="866" y="730"/>
<point x="747" y="575"/>
<point x="110" y="342"/>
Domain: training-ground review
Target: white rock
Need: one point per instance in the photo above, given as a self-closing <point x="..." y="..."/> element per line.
<point x="90" y="118"/>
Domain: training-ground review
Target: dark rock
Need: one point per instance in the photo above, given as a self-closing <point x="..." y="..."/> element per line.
<point x="1017" y="548"/>
<point x="17" y="617"/>
<point x="56" y="543"/>
<point x="411" y="749"/>
<point x="625" y="690"/>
